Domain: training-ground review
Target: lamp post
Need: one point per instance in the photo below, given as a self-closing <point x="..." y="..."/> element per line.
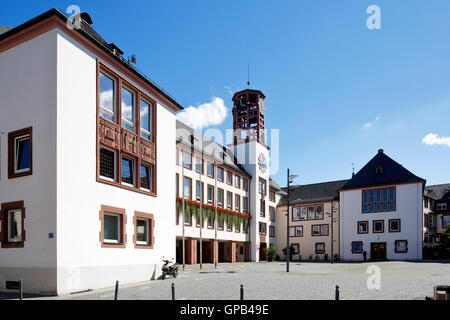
<point x="184" y="195"/>
<point x="333" y="209"/>
<point x="290" y="178"/>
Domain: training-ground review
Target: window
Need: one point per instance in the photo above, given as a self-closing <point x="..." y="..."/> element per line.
<point x="296" y="248"/>
<point x="394" y="225"/>
<point x="229" y="178"/>
<point x="237" y="228"/>
<point x="272" y="213"/>
<point x="295" y="213"/>
<point x="319" y="230"/>
<point x="272" y="231"/>
<point x="220" y="225"/>
<point x="198" y="165"/>
<point x="357" y="247"/>
<point x="445" y="221"/>
<point x="113" y="221"/>
<point x="296" y="231"/>
<point x="147" y="177"/>
<point x="146" y="120"/>
<point x="199" y="193"/>
<point x="143" y="237"/>
<point x="107" y="164"/>
<point x="107" y="97"/>
<point x="187" y="188"/>
<point x="320" y="248"/>
<point x="262" y="186"/>
<point x="126" y="128"/>
<point x="229" y="200"/>
<point x="441" y="206"/>
<point x="128" y="171"/>
<point x="378" y="226"/>
<point x="311" y="213"/>
<point x="262" y="228"/>
<point x="128" y="111"/>
<point x="237" y="203"/>
<point x="262" y="208"/>
<point x="237" y="181"/>
<point x="210" y="195"/>
<point x="245" y="184"/>
<point x="229" y="226"/>
<point x="303" y="213"/>
<point x="401" y="246"/>
<point x="272" y="196"/>
<point x="12" y="215"/>
<point x="210" y="223"/>
<point x="20" y="160"/>
<point x="187" y="160"/>
<point x="379" y="200"/>
<point x="319" y="212"/>
<point x="220" y="197"/>
<point x="219" y="174"/>
<point x="245" y="205"/>
<point x="363" y="227"/>
<point x="210" y="170"/>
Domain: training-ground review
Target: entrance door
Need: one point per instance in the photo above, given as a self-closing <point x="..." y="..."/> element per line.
<point x="378" y="251"/>
<point x="262" y="252"/>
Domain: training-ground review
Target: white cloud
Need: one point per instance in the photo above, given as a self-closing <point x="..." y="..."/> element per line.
<point x="371" y="124"/>
<point x="432" y="139"/>
<point x="205" y="115"/>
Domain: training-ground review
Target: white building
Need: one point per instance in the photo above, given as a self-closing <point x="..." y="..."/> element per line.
<point x="86" y="179"/>
<point x="381" y="212"/>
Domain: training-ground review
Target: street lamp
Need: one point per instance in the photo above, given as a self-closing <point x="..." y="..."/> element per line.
<point x="333" y="210"/>
<point x="290" y="178"/>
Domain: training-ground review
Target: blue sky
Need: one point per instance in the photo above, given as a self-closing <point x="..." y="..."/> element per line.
<point x="324" y="73"/>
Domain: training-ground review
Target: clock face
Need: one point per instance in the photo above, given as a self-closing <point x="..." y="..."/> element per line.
<point x="241" y="104"/>
<point x="262" y="163"/>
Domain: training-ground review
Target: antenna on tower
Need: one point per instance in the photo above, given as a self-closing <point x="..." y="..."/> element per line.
<point x="248" y="74"/>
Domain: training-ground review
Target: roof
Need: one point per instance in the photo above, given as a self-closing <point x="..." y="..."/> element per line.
<point x="438" y="192"/>
<point x="4" y="29"/>
<point x="391" y="173"/>
<point x="89" y="33"/>
<point x="317" y="192"/>
<point x="274" y="185"/>
<point x="249" y="91"/>
<point x="210" y="148"/>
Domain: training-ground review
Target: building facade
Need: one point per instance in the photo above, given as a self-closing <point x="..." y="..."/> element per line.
<point x="86" y="180"/>
<point x="381" y="213"/>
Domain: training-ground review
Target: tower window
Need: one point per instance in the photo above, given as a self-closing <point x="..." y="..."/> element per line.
<point x="379" y="170"/>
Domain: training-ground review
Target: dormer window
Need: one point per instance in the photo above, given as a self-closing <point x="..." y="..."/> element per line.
<point x="379" y="170"/>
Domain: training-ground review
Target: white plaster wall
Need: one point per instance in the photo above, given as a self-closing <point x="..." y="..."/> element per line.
<point x="409" y="210"/>
<point x="82" y="263"/>
<point x="28" y="98"/>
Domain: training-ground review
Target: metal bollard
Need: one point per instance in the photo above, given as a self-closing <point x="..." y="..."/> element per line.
<point x="337" y="293"/>
<point x="242" y="292"/>
<point x="173" y="291"/>
<point x="20" y="289"/>
<point x="116" y="292"/>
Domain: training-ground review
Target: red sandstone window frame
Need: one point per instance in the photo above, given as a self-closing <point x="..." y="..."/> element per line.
<point x="5" y="208"/>
<point x="118" y="145"/>
<point x="272" y="231"/>
<point x="366" y="223"/>
<point x="104" y="209"/>
<point x="373" y="226"/>
<point x="399" y="225"/>
<point x="151" y="227"/>
<point x="12" y="136"/>
<point x="321" y="251"/>
<point x="395" y="246"/>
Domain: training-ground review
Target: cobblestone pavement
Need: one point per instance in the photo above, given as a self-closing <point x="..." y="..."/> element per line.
<point x="269" y="281"/>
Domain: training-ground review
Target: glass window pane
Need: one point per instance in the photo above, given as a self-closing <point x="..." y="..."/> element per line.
<point x="111" y="228"/>
<point x="146" y="178"/>
<point x="187" y="188"/>
<point x="365" y="196"/>
<point x="22" y="153"/>
<point x="372" y="196"/>
<point x="142" y="230"/>
<point x="127" y="171"/>
<point x="385" y="197"/>
<point x="127" y="109"/>
<point x="107" y="97"/>
<point x="310" y="213"/>
<point x="107" y="159"/>
<point x="379" y="195"/>
<point x="391" y="194"/>
<point x="146" y="120"/>
<point x="15" y="226"/>
<point x="319" y="212"/>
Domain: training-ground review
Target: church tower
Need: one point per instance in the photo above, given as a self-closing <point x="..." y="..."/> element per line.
<point x="251" y="151"/>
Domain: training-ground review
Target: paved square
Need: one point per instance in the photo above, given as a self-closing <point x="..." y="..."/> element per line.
<point x="306" y="281"/>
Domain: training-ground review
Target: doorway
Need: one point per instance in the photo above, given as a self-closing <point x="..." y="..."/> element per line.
<point x="262" y="251"/>
<point x="378" y="251"/>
